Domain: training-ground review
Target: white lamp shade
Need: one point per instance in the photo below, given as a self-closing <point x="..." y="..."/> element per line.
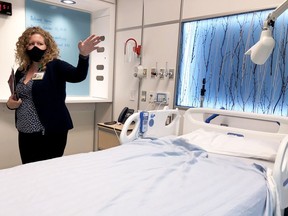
<point x="261" y="51"/>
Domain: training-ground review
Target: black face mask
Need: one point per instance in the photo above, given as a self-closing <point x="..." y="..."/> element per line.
<point x="35" y="54"/>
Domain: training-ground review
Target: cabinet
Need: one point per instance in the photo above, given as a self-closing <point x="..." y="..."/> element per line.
<point x="108" y="135"/>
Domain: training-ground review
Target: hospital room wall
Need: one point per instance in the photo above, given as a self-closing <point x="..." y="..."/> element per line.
<point x="84" y="115"/>
<point x="155" y="25"/>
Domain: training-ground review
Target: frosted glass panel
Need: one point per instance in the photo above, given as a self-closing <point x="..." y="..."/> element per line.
<point x="213" y="49"/>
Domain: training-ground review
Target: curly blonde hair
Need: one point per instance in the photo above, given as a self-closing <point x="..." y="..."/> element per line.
<point x="52" y="51"/>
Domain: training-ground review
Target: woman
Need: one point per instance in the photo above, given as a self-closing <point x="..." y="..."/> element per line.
<point x="42" y="118"/>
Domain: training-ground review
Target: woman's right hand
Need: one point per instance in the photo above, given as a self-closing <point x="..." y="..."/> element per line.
<point x="13" y="103"/>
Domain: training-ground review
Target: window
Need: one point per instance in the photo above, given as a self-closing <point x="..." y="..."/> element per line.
<point x="212" y="53"/>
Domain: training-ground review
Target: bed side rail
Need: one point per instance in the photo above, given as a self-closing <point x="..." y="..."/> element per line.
<point x="280" y="173"/>
<point x="235" y="121"/>
<point x="126" y="135"/>
<point x="160" y="123"/>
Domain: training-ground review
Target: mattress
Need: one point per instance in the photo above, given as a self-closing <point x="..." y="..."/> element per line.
<point x="166" y="176"/>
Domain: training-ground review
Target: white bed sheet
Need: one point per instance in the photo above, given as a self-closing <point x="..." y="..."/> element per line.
<point x="159" y="177"/>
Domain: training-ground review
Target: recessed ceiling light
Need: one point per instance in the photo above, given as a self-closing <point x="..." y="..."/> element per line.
<point x="68" y="1"/>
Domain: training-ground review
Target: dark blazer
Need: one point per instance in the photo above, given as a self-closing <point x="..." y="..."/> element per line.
<point x="49" y="94"/>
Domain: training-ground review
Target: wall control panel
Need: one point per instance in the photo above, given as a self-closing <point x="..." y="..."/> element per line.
<point x="159" y="97"/>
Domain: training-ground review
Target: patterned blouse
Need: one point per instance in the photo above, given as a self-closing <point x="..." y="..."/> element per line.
<point x="27" y="118"/>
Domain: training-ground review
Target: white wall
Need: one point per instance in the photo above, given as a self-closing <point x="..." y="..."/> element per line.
<point x="11" y="27"/>
<point x="158" y="32"/>
<point x="198" y="8"/>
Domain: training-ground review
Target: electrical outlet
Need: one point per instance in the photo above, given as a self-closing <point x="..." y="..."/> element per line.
<point x="143" y="96"/>
<point x="152" y="96"/>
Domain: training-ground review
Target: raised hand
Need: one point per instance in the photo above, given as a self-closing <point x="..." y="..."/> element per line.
<point x="89" y="44"/>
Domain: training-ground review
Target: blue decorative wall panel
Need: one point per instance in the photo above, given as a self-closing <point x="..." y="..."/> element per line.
<point x="213" y="49"/>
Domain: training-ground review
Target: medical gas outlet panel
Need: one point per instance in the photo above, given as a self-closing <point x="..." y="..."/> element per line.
<point x="162" y="73"/>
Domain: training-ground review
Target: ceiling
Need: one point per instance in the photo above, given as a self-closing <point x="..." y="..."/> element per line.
<point x="84" y="5"/>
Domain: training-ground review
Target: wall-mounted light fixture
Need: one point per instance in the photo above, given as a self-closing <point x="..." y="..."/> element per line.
<point x="68" y="1"/>
<point x="261" y="51"/>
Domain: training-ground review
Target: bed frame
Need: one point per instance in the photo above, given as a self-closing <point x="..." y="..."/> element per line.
<point x="259" y="126"/>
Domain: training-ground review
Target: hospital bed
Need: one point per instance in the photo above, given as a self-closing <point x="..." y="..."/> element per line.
<point x="238" y="136"/>
<point x="157" y="173"/>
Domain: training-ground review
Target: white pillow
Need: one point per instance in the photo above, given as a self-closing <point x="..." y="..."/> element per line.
<point x="215" y="142"/>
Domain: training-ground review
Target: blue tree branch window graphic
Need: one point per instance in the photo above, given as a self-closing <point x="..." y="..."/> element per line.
<point x="213" y="49"/>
